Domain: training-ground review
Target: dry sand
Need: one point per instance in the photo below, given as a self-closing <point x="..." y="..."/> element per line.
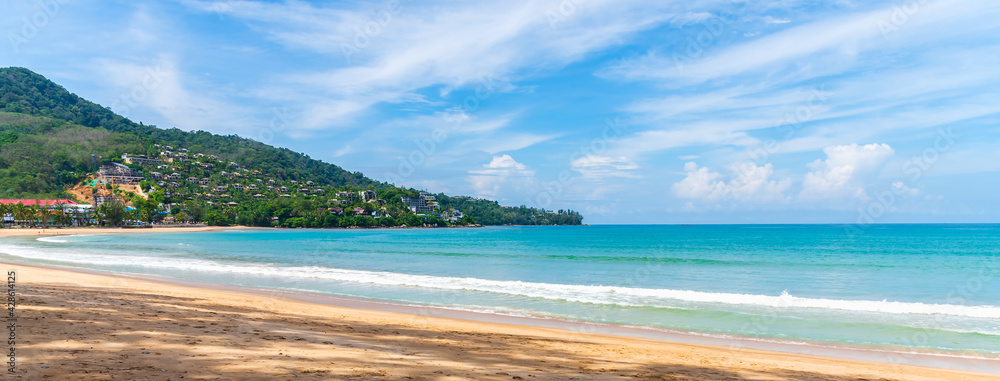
<point x="85" y="326"/>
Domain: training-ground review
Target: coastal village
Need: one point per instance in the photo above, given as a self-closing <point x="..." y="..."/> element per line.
<point x="177" y="175"/>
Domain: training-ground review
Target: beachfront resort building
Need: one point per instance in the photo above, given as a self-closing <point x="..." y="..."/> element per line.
<point x="423" y="203"/>
<point x="78" y="213"/>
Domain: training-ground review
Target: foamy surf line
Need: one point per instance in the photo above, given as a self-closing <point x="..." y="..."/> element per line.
<point x="54" y="239"/>
<point x="596" y="294"/>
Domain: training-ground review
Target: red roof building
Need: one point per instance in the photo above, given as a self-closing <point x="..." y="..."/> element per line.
<point x="39" y="202"/>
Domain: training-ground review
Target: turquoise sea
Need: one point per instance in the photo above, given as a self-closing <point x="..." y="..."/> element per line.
<point x="925" y="288"/>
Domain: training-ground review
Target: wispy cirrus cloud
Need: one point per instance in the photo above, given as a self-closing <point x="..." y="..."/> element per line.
<point x="443" y="44"/>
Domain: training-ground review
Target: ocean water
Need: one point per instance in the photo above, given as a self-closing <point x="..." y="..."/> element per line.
<point x="926" y="288"/>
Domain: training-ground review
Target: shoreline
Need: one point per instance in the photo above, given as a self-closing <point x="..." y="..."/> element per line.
<point x="446" y="319"/>
<point x="20" y="232"/>
<point x="54" y="231"/>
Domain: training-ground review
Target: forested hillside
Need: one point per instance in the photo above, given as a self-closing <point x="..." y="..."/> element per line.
<point x="52" y="140"/>
<point x="25" y="92"/>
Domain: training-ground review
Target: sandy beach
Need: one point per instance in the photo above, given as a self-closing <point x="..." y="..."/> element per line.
<point x="96" y="230"/>
<point x="87" y="326"/>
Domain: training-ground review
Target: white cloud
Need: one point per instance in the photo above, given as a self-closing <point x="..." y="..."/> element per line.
<point x="838" y="40"/>
<point x="900" y="188"/>
<point x="702" y="133"/>
<point x="166" y="90"/>
<point x="500" y="177"/>
<point x="747" y="182"/>
<point x="845" y="172"/>
<point x="851" y="75"/>
<point x="502" y="163"/>
<point x="596" y="167"/>
<point x="504" y="142"/>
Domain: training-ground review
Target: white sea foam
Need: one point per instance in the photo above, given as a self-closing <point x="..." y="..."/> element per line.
<point x="55" y="239"/>
<point x="624" y="296"/>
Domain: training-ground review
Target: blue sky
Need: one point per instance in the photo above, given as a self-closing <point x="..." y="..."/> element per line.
<point x="627" y="111"/>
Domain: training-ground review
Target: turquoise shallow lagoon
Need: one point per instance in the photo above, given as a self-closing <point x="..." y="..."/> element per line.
<point x="929" y="288"/>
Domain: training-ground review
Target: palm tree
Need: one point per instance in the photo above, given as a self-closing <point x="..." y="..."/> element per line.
<point x="60" y="212"/>
<point x="95" y="215"/>
<point x="4" y="209"/>
<point x="82" y="217"/>
<point x="36" y="210"/>
<point x="43" y="213"/>
<point x="23" y="213"/>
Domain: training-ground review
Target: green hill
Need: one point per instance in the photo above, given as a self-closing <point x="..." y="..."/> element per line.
<point x="51" y="140"/>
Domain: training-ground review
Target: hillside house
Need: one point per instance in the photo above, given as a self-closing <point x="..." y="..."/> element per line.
<point x="347" y="196"/>
<point x="367" y="195"/>
<point x="138" y="159"/>
<point x="120" y="174"/>
<point x="423" y="203"/>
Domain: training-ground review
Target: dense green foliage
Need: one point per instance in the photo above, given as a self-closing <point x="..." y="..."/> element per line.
<point x="51" y="139"/>
<point x="488" y="212"/>
<point x="25" y="92"/>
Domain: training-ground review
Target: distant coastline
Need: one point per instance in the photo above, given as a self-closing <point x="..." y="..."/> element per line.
<point x="54" y="231"/>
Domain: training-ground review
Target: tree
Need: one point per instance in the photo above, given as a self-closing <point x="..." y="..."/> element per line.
<point x="195" y="210"/>
<point x="61" y="217"/>
<point x="23" y="214"/>
<point x="147" y="210"/>
<point x="436" y="221"/>
<point x="4" y="210"/>
<point x="412" y="220"/>
<point x="44" y="214"/>
<point x="364" y="221"/>
<point x="215" y="218"/>
<point x="111" y="213"/>
<point x="346" y="221"/>
<point x="331" y="221"/>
